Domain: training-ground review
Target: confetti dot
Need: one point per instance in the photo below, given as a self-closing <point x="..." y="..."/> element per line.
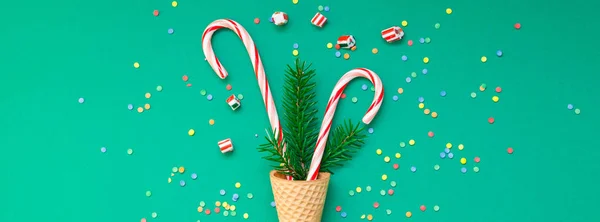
<point x="147" y="106"/>
<point x="517" y="26"/>
<point x="421" y="99"/>
<point x="143" y="220"/>
<point x="410" y="42"/>
<point x="194" y="176"/>
<point x="369" y="217"/>
<point x="384" y="177"/>
<point x="338" y="54"/>
<point x="422" y="105"/>
<point x="473" y="95"/>
<point x="430" y="134"/>
<point x="238" y="185"/>
<point x="421" y="40"/>
<point x="211" y="122"/>
<point x="476" y="169"/>
<point x="463" y="161"/>
<point x="295" y="52"/>
<point x="320" y="8"/>
<point x="326" y="8"/>
<point x="148" y="193"/>
<point x="130" y="106"/>
<point x="155" y="12"/>
<point x="510" y="150"/>
<point x="222" y="192"/>
<point x="450" y="155"/>
<point x="174" y="170"/>
<point x="245" y="215"/>
<point x="185" y="78"/>
<point x="437" y="26"/>
<point x="338" y="208"/>
<point x="483" y="59"/>
<point x="442" y="155"/>
<point x="395" y="98"/>
<point x="354" y="99"/>
<point x="272" y="203"/>
<point x="413" y="74"/>
<point x="250" y="195"/>
<point x="295" y="1"/>
<point x="344" y="214"/>
<point x="374" y="50"/>
<point x="411" y="142"/>
<point x="353" y="48"/>
<point x="170" y="31"/>
<point x="386" y="159"/>
<point x="436" y="167"/>
<point x="495" y="99"/>
<point x="364" y="87"/>
<point x="498" y="89"/>
<point x="129" y="151"/>
<point x="228" y="87"/>
<point x="346" y="56"/>
<point x="404" y="23"/>
<point x="408" y="79"/>
<point x="404" y="58"/>
<point x="408" y="214"/>
<point x="446" y="150"/>
<point x="422" y="208"/>
<point x="136" y="65"/>
<point x="424" y="71"/>
<point x="461" y="147"/>
<point x="376" y="205"/>
<point x="295" y="45"/>
<point x="174" y="3"/>
<point x="182" y="183"/>
<point x="463" y="169"/>
<point x="398" y="155"/>
<point x="434" y="115"/>
<point x="391" y="192"/>
<point x="436" y="208"/>
<point x="368" y="188"/>
<point x="400" y="90"/>
<point x="577" y="111"/>
<point x="191" y="132"/>
<point x="413" y="169"/>
<point x="402" y="144"/>
<point x="499" y="53"/>
<point x="427" y="40"/>
<point x="378" y="151"/>
<point x="426" y="60"/>
<point x="358" y="189"/>
<point x="337" y="46"/>
<point x="491" y="120"/>
<point x="351" y="193"/>
<point x="181" y="169"/>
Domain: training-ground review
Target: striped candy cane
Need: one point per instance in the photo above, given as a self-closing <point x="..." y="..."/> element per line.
<point x="315" y="165"/>
<point x="259" y="70"/>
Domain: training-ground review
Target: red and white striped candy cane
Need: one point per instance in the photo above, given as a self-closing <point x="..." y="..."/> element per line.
<point x="315" y="165"/>
<point x="259" y="69"/>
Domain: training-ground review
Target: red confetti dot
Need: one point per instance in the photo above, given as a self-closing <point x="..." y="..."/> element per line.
<point x="430" y="134"/>
<point x="498" y="89"/>
<point x="256" y="20"/>
<point x="337" y="46"/>
<point x="477" y="159"/>
<point x="376" y="205"/>
<point x="410" y="42"/>
<point x="423" y="208"/>
<point x="518" y="26"/>
<point x="155" y="12"/>
<point x="338" y="208"/>
<point x="228" y="87"/>
<point x="391" y="192"/>
<point x="185" y="78"/>
<point x="207" y="211"/>
<point x="491" y="120"/>
<point x="396" y="166"/>
<point x="509" y="150"/>
<point x="217" y="210"/>
<point x="343" y="95"/>
<point x="189" y="85"/>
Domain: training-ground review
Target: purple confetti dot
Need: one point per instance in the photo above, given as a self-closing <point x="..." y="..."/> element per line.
<point x="364" y="87"/>
<point x="326" y="8"/>
<point x="424" y="71"/>
<point x="450" y="155"/>
<point x="570" y="106"/>
<point x="222" y="192"/>
<point x="463" y="169"/>
<point x="272" y="203"/>
<point x="371" y="130"/>
<point x="413" y="169"/>
<point x="404" y="58"/>
<point x="442" y="155"/>
<point x="422" y="40"/>
<point x="209" y="97"/>
<point x="81" y="100"/>
<point x="170" y="31"/>
<point x="408" y="79"/>
<point x="421" y="99"/>
<point x="395" y="98"/>
<point x="344" y="214"/>
<point x="182" y="183"/>
<point x="130" y="106"/>
<point x="103" y="149"/>
<point x="194" y="176"/>
<point x="443" y="93"/>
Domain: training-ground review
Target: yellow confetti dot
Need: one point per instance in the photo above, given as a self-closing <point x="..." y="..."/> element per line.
<point x="358" y="189"/>
<point x="346" y="56"/>
<point x="174" y="3"/>
<point x="448" y="11"/>
<point x="369" y="217"/>
<point x="295" y="1"/>
<point x="404" y="23"/>
<point x="449" y="145"/>
<point x="295" y="52"/>
<point x="218" y="203"/>
<point x="181" y="169"/>
<point x="200" y="209"/>
<point x="398" y="155"/>
<point x="463" y="161"/>
<point x="411" y="142"/>
<point x="225" y="204"/>
<point x="421" y="105"/>
<point x="400" y="90"/>
<point x="232" y="207"/>
<point x="148" y="95"/>
<point x="434" y="115"/>
<point x="426" y="60"/>
<point x="238" y="185"/>
<point x="169" y="180"/>
<point x="174" y="170"/>
<point x="353" y="48"/>
<point x="386" y="159"/>
<point x="362" y="216"/>
<point x="147" y="106"/>
<point x="211" y="122"/>
<point x="329" y="45"/>
<point x="495" y="99"/>
<point x="172" y="174"/>
<point x="136" y="65"/>
<point x="408" y="214"/>
<point x="375" y="50"/>
<point x="378" y="151"/>
<point x="191" y="132"/>
<point x="140" y="109"/>
<point x="483" y="59"/>
<point x="461" y="147"/>
<point x="245" y="215"/>
<point x="383" y="177"/>
<point x="426" y="111"/>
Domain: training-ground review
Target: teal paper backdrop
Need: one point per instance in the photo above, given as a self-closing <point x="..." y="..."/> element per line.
<point x="54" y="52"/>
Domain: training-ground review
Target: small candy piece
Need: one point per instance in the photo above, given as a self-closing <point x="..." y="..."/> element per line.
<point x="443" y="93"/>
<point x="211" y="122"/>
<point x="391" y="192"/>
<point x="346" y="41"/>
<point x="384" y="177"/>
<point x="434" y="115"/>
<point x="398" y="155"/>
<point x="130" y="106"/>
<point x="358" y="189"/>
<point x="272" y="203"/>
<point x="147" y="106"/>
<point x="577" y="111"/>
<point x="386" y="159"/>
<point x="370" y="217"/>
<point x="436" y="167"/>
<point x="194" y="176"/>
<point x="346" y="57"/>
<point x="430" y="134"/>
<point x="329" y="45"/>
<point x="424" y="71"/>
<point x="237" y="185"/>
<point x="378" y="151"/>
<point x="222" y="192"/>
<point x="174" y="4"/>
<point x="295" y="2"/>
<point x="319" y="20"/>
<point x="473" y="95"/>
<point x="148" y="193"/>
<point x="517" y="26"/>
<point x="159" y="88"/>
<point x="437" y="26"/>
<point x="410" y="42"/>
<point x="427" y="40"/>
<point x="182" y="183"/>
<point x="338" y="54"/>
<point x="233" y="102"/>
<point x="423" y="208"/>
<point x="450" y="155"/>
<point x="570" y="106"/>
<point x="408" y="80"/>
<point x="279" y="18"/>
<point x="295" y="52"/>
<point x="395" y="98"/>
<point x="320" y="8"/>
<point x="226" y="146"/>
<point x="185" y="78"/>
<point x="295" y="46"/>
<point x="181" y="169"/>
<point x="509" y="150"/>
<point x="421" y="40"/>
<point x="326" y="8"/>
<point x="442" y="155"/>
<point x="476" y="169"/>
<point x="392" y="34"/>
<point x="353" y="48"/>
<point x="155" y="12"/>
<point x="368" y="188"/>
<point x="402" y="144"/>
<point x="411" y="142"/>
<point x="461" y="147"/>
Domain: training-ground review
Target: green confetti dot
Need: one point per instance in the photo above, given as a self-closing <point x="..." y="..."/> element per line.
<point x="203" y="92"/>
<point x="436" y="208"/>
<point x="473" y="95"/>
<point x="475" y="169"/>
<point x="250" y="196"/>
<point x="226" y="213"/>
<point x="437" y="25"/>
<point x="351" y="193"/>
<point x="233" y="213"/>
<point x="354" y="99"/>
<point x="148" y="193"/>
<point x="402" y="144"/>
<point x="427" y="40"/>
<point x="382" y="192"/>
<point x="483" y="85"/>
<point x="202" y="203"/>
<point x="413" y="74"/>
<point x="436" y="167"/>
<point x="577" y="111"/>
<point x="240" y="96"/>
<point x="373" y="88"/>
<point x="174" y="169"/>
<point x="388" y="211"/>
<point x="320" y="8"/>
<point x="129" y="151"/>
<point x="393" y="183"/>
<point x="368" y="188"/>
<point x="159" y="88"/>
<point x="154" y="215"/>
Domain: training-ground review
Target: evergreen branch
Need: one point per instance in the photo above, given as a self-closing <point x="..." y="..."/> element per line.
<point x="273" y="150"/>
<point x="344" y="141"/>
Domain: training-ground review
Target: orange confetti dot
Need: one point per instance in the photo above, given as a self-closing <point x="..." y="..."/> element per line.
<point x="426" y="111"/>
<point x="353" y="48"/>
<point x="434" y="114"/>
<point x="408" y="214"/>
<point x="185" y="78"/>
<point x="337" y="46"/>
<point x="400" y="90"/>
<point x="181" y="169"/>
<point x="147" y="106"/>
<point x="211" y="122"/>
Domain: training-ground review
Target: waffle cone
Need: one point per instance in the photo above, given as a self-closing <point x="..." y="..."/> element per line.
<point x="299" y="201"/>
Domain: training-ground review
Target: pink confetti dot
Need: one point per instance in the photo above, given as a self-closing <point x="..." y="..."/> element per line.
<point x="498" y="89"/>
<point x="376" y="205"/>
<point x="396" y="166"/>
<point x="189" y="85"/>
<point x="343" y="95"/>
<point x="217" y="210"/>
<point x="185" y="78"/>
<point x="423" y="208"/>
<point x="410" y="42"/>
<point x="143" y="220"/>
<point x="338" y="208"/>
<point x="477" y="159"/>
<point x="509" y="150"/>
<point x="391" y="192"/>
<point x="430" y="134"/>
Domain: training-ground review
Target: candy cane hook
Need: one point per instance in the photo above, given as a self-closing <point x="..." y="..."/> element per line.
<point x="259" y="70"/>
<point x="315" y="164"/>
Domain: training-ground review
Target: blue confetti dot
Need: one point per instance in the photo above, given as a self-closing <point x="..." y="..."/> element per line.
<point x="364" y="87"/>
<point x="234" y="199"/>
<point x="81" y="100"/>
<point x="570" y="106"/>
<point x="295" y="45"/>
<point x="408" y="79"/>
<point x="130" y="106"/>
<point x="272" y="203"/>
<point x="413" y="169"/>
<point x="443" y="93"/>
<point x="421" y="99"/>
<point x="424" y="71"/>
<point x="395" y="98"/>
<point x="463" y="169"/>
<point x="499" y="53"/>
<point x="222" y="192"/>
<point x="103" y="149"/>
<point x="326" y="8"/>
<point x="404" y="58"/>
<point x="450" y="155"/>
<point x="236" y="196"/>
<point x="182" y="183"/>
<point x="170" y="31"/>
<point x="271" y="19"/>
<point x="338" y="54"/>
<point x="344" y="214"/>
<point x="446" y="150"/>
<point x="442" y="155"/>
<point x="194" y="176"/>
<point x="371" y="130"/>
<point x="422" y="40"/>
<point x="209" y="97"/>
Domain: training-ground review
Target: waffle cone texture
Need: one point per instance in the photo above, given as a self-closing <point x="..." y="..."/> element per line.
<point x="299" y="201"/>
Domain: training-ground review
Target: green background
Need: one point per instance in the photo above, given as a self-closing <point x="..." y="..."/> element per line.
<point x="54" y="52"/>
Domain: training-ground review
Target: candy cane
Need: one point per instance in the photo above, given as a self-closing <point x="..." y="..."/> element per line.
<point x="315" y="165"/>
<point x="259" y="70"/>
